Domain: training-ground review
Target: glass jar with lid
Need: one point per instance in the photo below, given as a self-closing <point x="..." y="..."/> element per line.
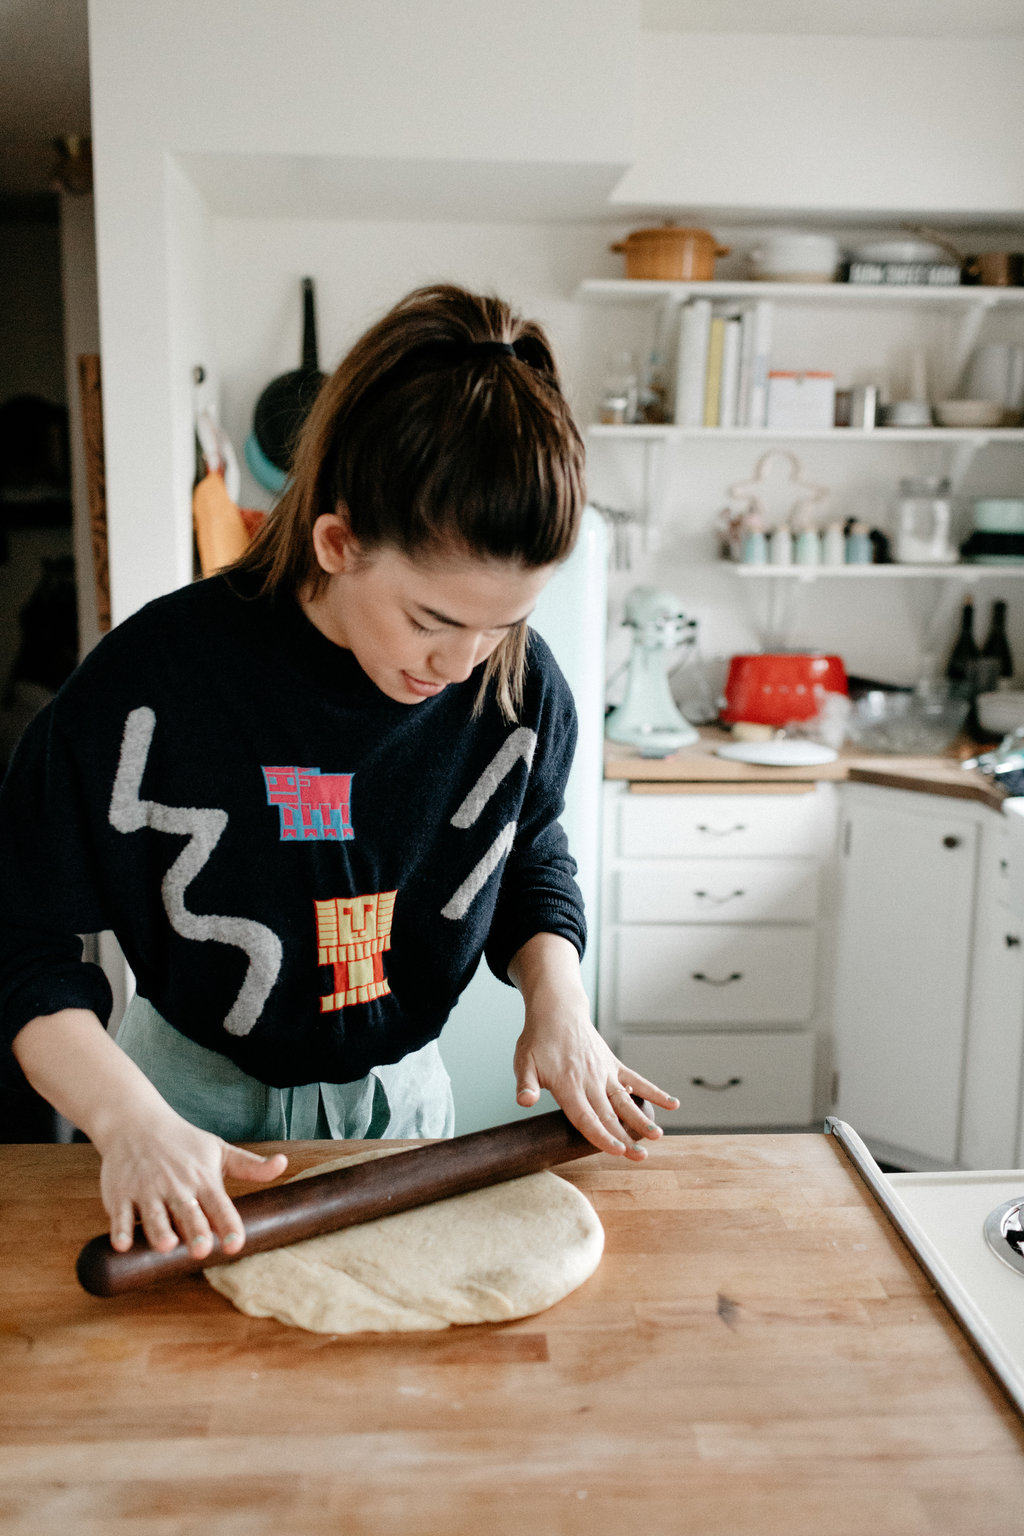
<point x="923" y="519"/>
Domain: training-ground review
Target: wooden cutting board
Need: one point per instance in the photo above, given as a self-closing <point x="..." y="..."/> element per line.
<point x="757" y="1352"/>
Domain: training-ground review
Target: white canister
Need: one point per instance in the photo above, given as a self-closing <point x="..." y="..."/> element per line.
<point x="781" y="546"/>
<point x="833" y="545"/>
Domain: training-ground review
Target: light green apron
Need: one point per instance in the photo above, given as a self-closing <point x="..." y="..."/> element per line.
<point x="411" y="1098"/>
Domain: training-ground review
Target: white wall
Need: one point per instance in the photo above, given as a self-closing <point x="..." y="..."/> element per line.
<point x="379" y="135"/>
<point x="507" y="86"/>
<point x="866" y="124"/>
<point x="360" y="269"/>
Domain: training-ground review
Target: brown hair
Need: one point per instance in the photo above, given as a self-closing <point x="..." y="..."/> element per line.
<point x="444" y="427"/>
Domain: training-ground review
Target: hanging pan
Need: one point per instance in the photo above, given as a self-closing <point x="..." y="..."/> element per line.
<point x="283" y="406"/>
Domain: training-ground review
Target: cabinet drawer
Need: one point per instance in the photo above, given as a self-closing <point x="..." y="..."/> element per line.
<point x="719" y="826"/>
<point x="728" y="1080"/>
<point x="716" y="890"/>
<point x="714" y="974"/>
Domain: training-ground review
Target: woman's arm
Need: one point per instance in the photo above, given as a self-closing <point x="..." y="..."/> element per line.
<point x="559" y="1049"/>
<point x="154" y="1162"/>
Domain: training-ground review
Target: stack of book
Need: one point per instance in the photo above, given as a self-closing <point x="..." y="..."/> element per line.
<point x="916" y="274"/>
<point x="723" y="364"/>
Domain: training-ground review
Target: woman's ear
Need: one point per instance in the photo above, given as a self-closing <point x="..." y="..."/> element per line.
<point x="333" y="543"/>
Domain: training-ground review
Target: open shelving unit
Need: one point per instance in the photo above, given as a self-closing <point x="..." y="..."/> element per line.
<point x="614" y="290"/>
<point x="978" y="436"/>
<point x="962" y="572"/>
<point x="964" y="307"/>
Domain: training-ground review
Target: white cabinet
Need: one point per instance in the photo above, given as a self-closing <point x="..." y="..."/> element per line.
<point x="714" y="941"/>
<point x="995" y="1025"/>
<point x="902" y="977"/>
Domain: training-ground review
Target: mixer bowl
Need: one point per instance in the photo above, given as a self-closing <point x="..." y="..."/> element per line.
<point x="913" y="724"/>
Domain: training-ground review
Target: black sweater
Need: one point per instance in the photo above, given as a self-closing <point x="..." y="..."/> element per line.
<point x="302" y="872"/>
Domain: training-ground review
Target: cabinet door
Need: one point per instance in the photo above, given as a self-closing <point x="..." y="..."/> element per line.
<point x="995" y="1026"/>
<point x="902" y="974"/>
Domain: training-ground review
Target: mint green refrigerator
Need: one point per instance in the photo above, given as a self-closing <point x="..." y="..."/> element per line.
<point x="480" y="1036"/>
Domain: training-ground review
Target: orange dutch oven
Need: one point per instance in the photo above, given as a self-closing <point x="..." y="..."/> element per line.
<point x="671" y="254"/>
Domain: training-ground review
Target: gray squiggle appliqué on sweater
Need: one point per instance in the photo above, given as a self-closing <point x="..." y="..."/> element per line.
<point x="521" y="744"/>
<point x="204" y="828"/>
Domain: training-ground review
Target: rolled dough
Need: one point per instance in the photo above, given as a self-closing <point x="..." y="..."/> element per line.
<point x="484" y="1257"/>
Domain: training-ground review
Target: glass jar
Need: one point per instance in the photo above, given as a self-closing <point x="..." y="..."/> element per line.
<point x="923" y="522"/>
<point x="620" y="393"/>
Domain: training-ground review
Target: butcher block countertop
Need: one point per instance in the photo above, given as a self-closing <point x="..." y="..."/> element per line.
<point x="697" y="769"/>
<point x="757" y="1352"/>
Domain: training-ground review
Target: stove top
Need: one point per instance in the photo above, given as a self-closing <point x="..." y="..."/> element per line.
<point x="965" y="1229"/>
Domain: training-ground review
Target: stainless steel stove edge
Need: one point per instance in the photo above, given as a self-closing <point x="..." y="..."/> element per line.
<point x="946" y="1283"/>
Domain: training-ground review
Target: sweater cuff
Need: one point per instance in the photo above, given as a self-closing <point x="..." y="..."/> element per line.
<point x="72" y="986"/>
<point x="561" y="917"/>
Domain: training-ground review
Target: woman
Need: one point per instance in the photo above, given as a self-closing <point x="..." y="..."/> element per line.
<point x="309" y="793"/>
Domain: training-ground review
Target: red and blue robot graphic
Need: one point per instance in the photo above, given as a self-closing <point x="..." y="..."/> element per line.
<point x="314" y="806"/>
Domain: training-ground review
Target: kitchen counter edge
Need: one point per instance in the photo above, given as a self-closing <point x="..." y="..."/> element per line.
<point x="697" y="769"/>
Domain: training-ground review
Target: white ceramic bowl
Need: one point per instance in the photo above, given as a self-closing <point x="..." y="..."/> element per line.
<point x="1000" y="712"/>
<point x="906" y="413"/>
<point x="969" y="413"/>
<point x="999" y="514"/>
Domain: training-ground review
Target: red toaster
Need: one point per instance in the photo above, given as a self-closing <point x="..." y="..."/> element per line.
<point x="772" y="688"/>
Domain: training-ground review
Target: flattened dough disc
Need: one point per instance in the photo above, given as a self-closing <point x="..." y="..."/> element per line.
<point x="488" y="1256"/>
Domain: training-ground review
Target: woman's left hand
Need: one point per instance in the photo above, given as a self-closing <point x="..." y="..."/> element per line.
<point x="560" y="1050"/>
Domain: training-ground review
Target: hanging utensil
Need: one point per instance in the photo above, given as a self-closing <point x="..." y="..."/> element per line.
<point x="283" y="406"/>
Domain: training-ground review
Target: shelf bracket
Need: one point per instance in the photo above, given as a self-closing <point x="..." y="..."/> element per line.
<point x="783" y="601"/>
<point x="970" y="328"/>
<point x="964" y="454"/>
<point x="654" y="492"/>
<point x="942" y="598"/>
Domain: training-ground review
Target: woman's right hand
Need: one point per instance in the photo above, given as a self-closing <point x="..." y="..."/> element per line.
<point x="172" y="1174"/>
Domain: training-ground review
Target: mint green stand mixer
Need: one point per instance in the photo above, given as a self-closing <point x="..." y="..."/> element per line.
<point x="648" y="718"/>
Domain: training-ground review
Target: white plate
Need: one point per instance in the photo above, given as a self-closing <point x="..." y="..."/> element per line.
<point x="778" y="754"/>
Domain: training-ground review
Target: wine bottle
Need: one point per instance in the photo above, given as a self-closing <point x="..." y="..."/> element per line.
<point x="997" y="646"/>
<point x="962" y="663"/>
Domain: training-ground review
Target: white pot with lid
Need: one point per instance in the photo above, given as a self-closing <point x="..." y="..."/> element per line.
<point x="793" y="256"/>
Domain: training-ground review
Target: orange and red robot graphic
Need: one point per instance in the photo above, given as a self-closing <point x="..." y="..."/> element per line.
<point x="352" y="933"/>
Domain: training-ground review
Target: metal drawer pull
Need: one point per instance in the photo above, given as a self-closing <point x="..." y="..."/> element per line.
<point x="719" y="901"/>
<point x="721" y="831"/>
<point x="702" y="1082"/>
<point x="1013" y="941"/>
<point x="717" y="981"/>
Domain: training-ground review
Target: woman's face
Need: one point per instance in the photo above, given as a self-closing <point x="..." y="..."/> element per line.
<point x="416" y="625"/>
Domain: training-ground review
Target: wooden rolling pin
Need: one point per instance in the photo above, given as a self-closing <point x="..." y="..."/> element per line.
<point x="288" y="1213"/>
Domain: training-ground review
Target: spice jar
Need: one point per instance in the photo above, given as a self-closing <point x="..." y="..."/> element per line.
<point x="620" y="392"/>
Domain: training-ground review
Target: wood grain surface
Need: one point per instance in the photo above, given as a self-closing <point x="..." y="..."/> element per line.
<point x="696" y="770"/>
<point x="757" y="1352"/>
